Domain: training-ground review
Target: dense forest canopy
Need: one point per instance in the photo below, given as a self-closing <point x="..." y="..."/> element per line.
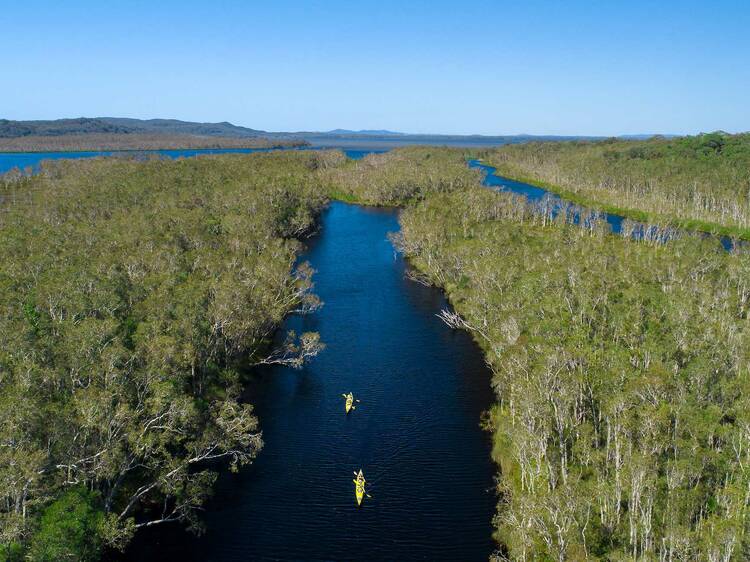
<point x="622" y="368"/>
<point x="132" y="296"/>
<point x="699" y="181"/>
<point x="400" y="176"/>
<point x="59" y="127"/>
<point x="622" y="374"/>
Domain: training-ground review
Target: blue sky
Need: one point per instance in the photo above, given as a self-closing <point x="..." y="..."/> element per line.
<point x="600" y="67"/>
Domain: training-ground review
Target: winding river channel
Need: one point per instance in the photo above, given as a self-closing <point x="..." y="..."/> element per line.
<point x="416" y="434"/>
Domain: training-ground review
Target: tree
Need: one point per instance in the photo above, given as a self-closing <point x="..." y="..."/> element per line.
<point x="70" y="528"/>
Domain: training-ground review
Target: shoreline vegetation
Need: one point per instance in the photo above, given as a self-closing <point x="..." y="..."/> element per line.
<point x="134" y="297"/>
<point x="399" y="177"/>
<point x="644" y="217"/>
<point x="620" y="366"/>
<point x="697" y="183"/>
<point x="110" y="142"/>
<point x="621" y="373"/>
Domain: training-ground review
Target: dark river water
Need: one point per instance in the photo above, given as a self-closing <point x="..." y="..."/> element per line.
<point x="416" y="434"/>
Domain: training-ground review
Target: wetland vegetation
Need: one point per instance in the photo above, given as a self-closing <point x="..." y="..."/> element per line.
<point x="621" y="372"/>
<point x="698" y="182"/>
<point x="135" y="141"/>
<point x="398" y="177"/>
<point x="135" y="294"/>
<point x="620" y="366"/>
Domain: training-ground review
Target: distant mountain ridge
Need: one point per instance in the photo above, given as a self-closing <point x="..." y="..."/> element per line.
<point x="177" y="127"/>
<point x="122" y="125"/>
<point x="174" y="127"/>
<point x="58" y="127"/>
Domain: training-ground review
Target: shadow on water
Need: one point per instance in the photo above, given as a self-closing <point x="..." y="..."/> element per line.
<point x="415" y="434"/>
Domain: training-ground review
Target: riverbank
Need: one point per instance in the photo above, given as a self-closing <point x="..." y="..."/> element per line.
<point x="400" y="177"/>
<point x="575" y="324"/>
<point x="130" y="307"/>
<point x="597" y="344"/>
<point x="415" y="433"/>
<point x="136" y="142"/>
<point x="642" y="217"/>
<point x="694" y="183"/>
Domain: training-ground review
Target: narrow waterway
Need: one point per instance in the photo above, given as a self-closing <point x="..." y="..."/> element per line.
<point x="416" y="433"/>
<point x="537" y="195"/>
<point x="548" y="202"/>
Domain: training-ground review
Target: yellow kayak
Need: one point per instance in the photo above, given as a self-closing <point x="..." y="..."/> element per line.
<point x="349" y="402"/>
<point x="359" y="487"/>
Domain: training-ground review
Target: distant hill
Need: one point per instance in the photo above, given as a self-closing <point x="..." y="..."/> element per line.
<point x="121" y="125"/>
<point x="177" y="127"/>
<point x="174" y="128"/>
<point x="97" y="127"/>
<point x="58" y="127"/>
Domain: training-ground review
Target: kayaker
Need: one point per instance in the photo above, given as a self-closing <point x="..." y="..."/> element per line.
<point x="349" y="404"/>
<point x="359" y="487"/>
